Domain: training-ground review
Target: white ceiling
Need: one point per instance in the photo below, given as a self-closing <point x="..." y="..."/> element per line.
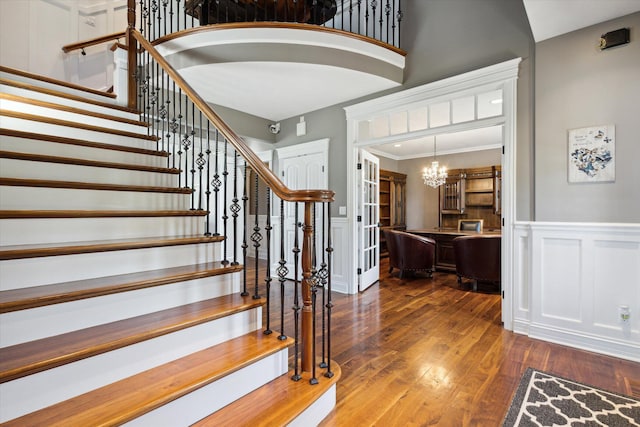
<point x="551" y="18"/>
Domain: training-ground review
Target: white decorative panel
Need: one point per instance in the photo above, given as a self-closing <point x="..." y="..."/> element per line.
<point x="364" y="129"/>
<point x="463" y="109"/>
<point x="398" y="122"/>
<point x="616" y="281"/>
<point x="490" y="104"/>
<point x="561" y="276"/>
<point x="418" y="119"/>
<point x="380" y="127"/>
<point x="440" y="114"/>
<point x="340" y="267"/>
<point x="522" y="271"/>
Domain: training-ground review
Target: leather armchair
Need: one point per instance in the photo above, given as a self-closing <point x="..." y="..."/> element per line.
<point x="478" y="257"/>
<point x="409" y="252"/>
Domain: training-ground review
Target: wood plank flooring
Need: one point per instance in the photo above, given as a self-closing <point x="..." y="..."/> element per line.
<point x="420" y="352"/>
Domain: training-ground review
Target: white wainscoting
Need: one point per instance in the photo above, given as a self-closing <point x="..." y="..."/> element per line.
<point x="570" y="280"/>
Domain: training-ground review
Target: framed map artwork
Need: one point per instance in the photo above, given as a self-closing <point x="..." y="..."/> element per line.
<point x="592" y="154"/>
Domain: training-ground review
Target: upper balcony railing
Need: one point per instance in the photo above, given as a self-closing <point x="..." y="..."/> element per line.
<point x="376" y="19"/>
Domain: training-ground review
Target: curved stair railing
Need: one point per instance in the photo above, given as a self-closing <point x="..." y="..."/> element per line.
<point x="215" y="164"/>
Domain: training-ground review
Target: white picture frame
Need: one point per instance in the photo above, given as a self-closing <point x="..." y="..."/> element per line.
<point x="591" y="156"/>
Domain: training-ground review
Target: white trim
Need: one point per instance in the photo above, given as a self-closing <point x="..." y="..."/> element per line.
<point x="311" y="147"/>
<point x="499" y="76"/>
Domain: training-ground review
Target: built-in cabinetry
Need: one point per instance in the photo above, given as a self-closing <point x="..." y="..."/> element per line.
<point x="393" y="211"/>
<point x="471" y="193"/>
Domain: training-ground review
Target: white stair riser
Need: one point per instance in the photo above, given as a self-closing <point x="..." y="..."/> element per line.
<point x="69" y="198"/>
<point x="23" y="273"/>
<point x="56" y="113"/>
<point x="200" y="403"/>
<point x="64" y="89"/>
<point x="12" y="90"/>
<point x="89" y="135"/>
<point x="317" y="411"/>
<point x="51" y="230"/>
<point x="27" y="169"/>
<point x="27" y="325"/>
<point x="33" y="146"/>
<point x="17" y="397"/>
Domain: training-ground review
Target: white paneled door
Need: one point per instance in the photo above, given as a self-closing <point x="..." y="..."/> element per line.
<point x="301" y="170"/>
<point x="368" y="220"/>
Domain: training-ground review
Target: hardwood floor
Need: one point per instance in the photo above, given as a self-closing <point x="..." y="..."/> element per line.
<point x="419" y="351"/>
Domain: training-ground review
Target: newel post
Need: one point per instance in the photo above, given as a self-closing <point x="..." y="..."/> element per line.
<point x="132" y="48"/>
<point x="307" y="282"/>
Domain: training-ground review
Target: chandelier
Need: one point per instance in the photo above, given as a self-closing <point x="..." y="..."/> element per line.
<point x="435" y="175"/>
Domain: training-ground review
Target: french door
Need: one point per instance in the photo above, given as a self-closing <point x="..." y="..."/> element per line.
<point x="368" y="220"/>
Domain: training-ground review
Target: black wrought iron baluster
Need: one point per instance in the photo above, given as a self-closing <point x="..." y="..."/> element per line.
<point x="322" y="277"/>
<point x="235" y="208"/>
<point x="295" y="10"/>
<point x="225" y="217"/>
<point x="179" y="125"/>
<point x="296" y="299"/>
<point x="245" y="199"/>
<point x="314" y="291"/>
<point x="275" y="10"/>
<point x="178" y="16"/>
<point x="256" y="237"/>
<point x="351" y="16"/>
<point x="171" y="16"/>
<point x="165" y="3"/>
<point x="174" y="127"/>
<point x="200" y="162"/>
<point x="314" y="299"/>
<point x="282" y="272"/>
<point x="186" y="144"/>
<point x="158" y="104"/>
<point x="380" y="21"/>
<point x="255" y="10"/>
<point x="399" y="18"/>
<point x="267" y="279"/>
<point x="329" y="304"/>
<point x="216" y="183"/>
<point x="193" y="155"/>
<point x="366" y="19"/>
<point x="164" y="112"/>
<point x="359" y="15"/>
<point x="387" y="12"/>
<point x="207" y="231"/>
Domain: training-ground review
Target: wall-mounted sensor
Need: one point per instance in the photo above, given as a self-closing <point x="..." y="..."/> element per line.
<point x="614" y="38"/>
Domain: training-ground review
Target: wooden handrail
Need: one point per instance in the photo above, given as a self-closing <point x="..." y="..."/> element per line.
<point x="92" y="42"/>
<point x="271" y="179"/>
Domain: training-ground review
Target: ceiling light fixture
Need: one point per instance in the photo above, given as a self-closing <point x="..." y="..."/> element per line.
<point x="435" y="175"/>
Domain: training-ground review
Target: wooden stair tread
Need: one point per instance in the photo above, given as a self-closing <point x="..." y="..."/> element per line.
<point x="51" y="80"/>
<point x="60" y="94"/>
<point x="76" y="185"/>
<point x="75" y="110"/>
<point x="38" y="296"/>
<point x="76" y="125"/>
<point x="35" y="356"/>
<point x="80" y="142"/>
<point x="83" y="162"/>
<point x="129" y="398"/>
<point x="277" y="403"/>
<point x="34" y="214"/>
<point x="72" y="248"/>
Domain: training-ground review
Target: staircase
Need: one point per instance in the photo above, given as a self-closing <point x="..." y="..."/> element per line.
<point x="114" y="305"/>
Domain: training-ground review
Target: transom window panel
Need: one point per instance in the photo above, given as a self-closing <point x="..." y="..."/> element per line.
<point x="420" y="116"/>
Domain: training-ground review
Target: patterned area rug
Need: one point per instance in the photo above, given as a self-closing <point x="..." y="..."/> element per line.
<point x="547" y="400"/>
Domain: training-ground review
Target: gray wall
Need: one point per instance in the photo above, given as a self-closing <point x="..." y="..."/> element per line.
<point x="577" y="85"/>
<point x="444" y="38"/>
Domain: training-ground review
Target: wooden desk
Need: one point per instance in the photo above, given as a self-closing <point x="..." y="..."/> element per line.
<point x="445" y="259"/>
